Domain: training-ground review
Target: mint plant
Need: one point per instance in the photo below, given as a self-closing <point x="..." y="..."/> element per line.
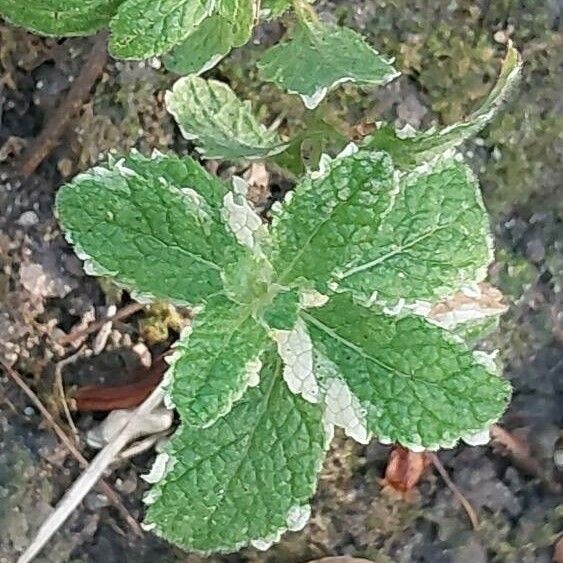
<point x="194" y="35"/>
<point x="319" y="319"/>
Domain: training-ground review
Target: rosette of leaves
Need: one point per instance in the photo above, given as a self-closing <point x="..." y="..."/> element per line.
<point x="314" y="321"/>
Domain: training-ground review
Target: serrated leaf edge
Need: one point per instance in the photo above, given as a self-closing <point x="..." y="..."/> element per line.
<point x="486" y="360"/>
<point x="312" y="101"/>
<point x="251" y="378"/>
<point x="394" y="308"/>
<point x="210" y="6"/>
<point x="296" y="519"/>
<point x="174" y="112"/>
<point x="94" y="268"/>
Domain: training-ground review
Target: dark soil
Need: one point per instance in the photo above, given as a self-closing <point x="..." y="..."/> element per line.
<point x="450" y="53"/>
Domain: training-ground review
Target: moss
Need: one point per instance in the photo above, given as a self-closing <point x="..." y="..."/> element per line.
<point x="451" y="54"/>
<point x="159" y="320"/>
<point x="126" y="111"/>
<point x="526" y="141"/>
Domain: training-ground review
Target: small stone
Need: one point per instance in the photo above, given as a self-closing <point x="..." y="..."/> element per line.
<point x="128" y="485"/>
<point x="42" y="283"/>
<point x="28" y="219"/>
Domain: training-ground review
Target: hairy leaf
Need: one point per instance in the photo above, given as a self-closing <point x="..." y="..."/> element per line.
<point x="223" y="126"/>
<point x="242" y="14"/>
<point x="330" y="217"/>
<point x="144" y="28"/>
<point x="281" y="313"/>
<point x="413" y="149"/>
<point x="415" y="383"/>
<point x="246" y="479"/>
<point x="215" y="361"/>
<point x="272" y="9"/>
<point x="431" y="240"/>
<point x="60" y="17"/>
<point x="153" y="225"/>
<point x="319" y="57"/>
<point x="203" y="49"/>
<point x="230" y="25"/>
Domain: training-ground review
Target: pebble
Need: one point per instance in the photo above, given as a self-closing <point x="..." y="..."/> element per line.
<point x="28" y="219"/>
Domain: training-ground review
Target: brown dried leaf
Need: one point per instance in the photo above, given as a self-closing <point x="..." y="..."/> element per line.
<point x="404" y="469"/>
<point x="258" y="180"/>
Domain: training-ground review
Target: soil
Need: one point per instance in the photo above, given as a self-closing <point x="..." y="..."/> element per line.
<point x="449" y="53"/>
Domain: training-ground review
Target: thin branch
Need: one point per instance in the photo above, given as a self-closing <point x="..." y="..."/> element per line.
<point x="123" y="313"/>
<point x="106" y="489"/>
<point x="60" y="390"/>
<point x="518" y="450"/>
<point x="68" y="108"/>
<point x="453" y="487"/>
<point x="83" y="485"/>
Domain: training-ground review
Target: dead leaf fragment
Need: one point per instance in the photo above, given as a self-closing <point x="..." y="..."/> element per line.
<point x="258" y="180"/>
<point x="404" y="470"/>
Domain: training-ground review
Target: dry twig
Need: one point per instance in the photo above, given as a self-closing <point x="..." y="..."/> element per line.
<point x="59" y="121"/>
<point x="519" y="452"/>
<point x="516" y="448"/>
<point x="106" y="489"/>
<point x="91" y="475"/>
<point x="123" y="313"/>
<point x="60" y="390"/>
<point x="453" y="487"/>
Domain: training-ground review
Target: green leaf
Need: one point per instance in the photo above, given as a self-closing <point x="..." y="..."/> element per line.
<point x="416" y="148"/>
<point x="145" y="28"/>
<point x="281" y="313"/>
<point x="290" y="161"/>
<point x="432" y="239"/>
<point x="215" y="361"/>
<point x="229" y="26"/>
<point x="203" y="49"/>
<point x="242" y="14"/>
<point x="153" y="225"/>
<point x="319" y="57"/>
<point x="60" y="17"/>
<point x="330" y="217"/>
<point x="416" y="384"/>
<point x="272" y="9"/>
<point x="246" y="479"/>
<point x="210" y="113"/>
<point x="248" y="280"/>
